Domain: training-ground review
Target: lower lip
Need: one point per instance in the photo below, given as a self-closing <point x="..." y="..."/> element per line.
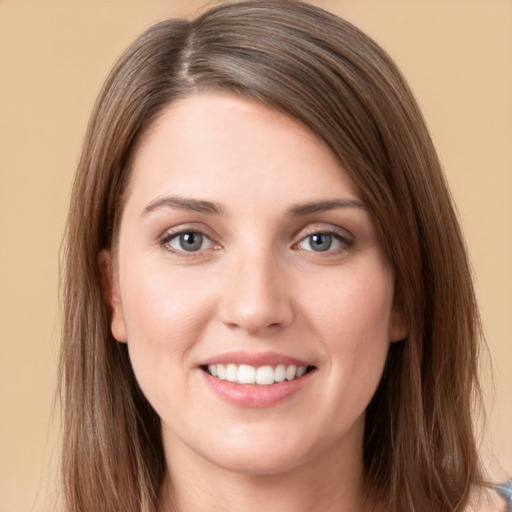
<point x="252" y="396"/>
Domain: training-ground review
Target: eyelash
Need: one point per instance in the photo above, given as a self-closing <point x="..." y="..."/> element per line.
<point x="168" y="238"/>
<point x="344" y="242"/>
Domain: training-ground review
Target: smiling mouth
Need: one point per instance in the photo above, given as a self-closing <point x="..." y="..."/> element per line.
<point x="257" y="375"/>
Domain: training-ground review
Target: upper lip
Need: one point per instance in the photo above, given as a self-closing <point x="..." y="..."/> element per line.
<point x="255" y="359"/>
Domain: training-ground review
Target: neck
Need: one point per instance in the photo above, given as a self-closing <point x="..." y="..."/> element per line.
<point x="330" y="482"/>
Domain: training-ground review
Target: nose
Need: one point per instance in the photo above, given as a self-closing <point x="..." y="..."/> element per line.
<point x="257" y="297"/>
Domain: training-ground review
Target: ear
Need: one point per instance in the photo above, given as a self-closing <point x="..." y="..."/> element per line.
<point x="111" y="296"/>
<point x="398" y="327"/>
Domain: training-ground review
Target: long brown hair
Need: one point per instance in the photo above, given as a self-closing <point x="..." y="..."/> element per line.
<point x="419" y="450"/>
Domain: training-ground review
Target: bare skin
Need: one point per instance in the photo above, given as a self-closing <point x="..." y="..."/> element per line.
<point x="244" y="243"/>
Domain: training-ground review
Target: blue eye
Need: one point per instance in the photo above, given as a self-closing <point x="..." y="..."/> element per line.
<point x="321" y="242"/>
<point x="188" y="241"/>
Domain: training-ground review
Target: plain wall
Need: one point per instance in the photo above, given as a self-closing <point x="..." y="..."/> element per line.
<point x="54" y="56"/>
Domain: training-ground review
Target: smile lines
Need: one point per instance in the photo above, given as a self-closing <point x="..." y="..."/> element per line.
<point x="261" y="376"/>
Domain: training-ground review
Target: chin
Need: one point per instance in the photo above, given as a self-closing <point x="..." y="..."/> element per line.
<point x="261" y="452"/>
<point x="259" y="463"/>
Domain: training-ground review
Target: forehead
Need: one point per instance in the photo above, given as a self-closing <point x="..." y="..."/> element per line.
<point x="215" y="145"/>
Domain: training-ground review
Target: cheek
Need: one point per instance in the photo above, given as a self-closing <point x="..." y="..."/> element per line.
<point x="354" y="307"/>
<point x="163" y="310"/>
<point x="165" y="315"/>
<point x="351" y="316"/>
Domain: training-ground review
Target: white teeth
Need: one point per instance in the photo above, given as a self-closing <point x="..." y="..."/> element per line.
<point x="232" y="373"/>
<point x="265" y="375"/>
<point x="221" y="371"/>
<point x="280" y="373"/>
<point x="290" y="372"/>
<point x="246" y="374"/>
<point x="262" y="376"/>
<point x="301" y="370"/>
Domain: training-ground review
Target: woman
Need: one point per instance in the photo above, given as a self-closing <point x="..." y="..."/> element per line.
<point x="269" y="304"/>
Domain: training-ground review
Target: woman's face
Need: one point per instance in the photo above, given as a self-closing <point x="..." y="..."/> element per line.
<point x="251" y="288"/>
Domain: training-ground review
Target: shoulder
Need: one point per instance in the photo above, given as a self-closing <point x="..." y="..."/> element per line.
<point x="486" y="500"/>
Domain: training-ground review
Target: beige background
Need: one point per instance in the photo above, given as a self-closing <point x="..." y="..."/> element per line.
<point x="54" y="56"/>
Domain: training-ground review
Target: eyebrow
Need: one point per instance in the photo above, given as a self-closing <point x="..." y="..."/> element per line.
<point x="182" y="203"/>
<point x="208" y="207"/>
<point x="322" y="206"/>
